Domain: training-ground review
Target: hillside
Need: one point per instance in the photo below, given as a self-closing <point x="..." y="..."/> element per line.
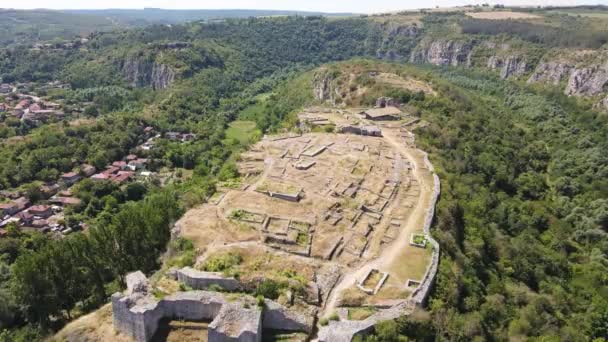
<point x="510" y="104"/>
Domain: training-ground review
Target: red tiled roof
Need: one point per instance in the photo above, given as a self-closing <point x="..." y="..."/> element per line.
<point x="39" y="208"/>
<point x="69" y="175"/>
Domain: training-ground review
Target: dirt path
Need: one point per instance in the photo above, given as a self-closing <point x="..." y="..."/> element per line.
<point x="392" y="255"/>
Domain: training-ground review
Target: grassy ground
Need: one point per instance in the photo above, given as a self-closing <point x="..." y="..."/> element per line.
<point x="243" y="131"/>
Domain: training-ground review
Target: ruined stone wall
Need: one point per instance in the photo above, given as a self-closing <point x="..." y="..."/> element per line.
<point x="202" y="280"/>
<point x="278" y="318"/>
<point x="421" y="293"/>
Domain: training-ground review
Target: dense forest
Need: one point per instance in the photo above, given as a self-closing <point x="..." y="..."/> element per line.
<point x="522" y="219"/>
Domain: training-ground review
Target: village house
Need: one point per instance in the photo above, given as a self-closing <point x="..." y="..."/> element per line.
<point x="122" y="165"/>
<point x="49" y="190"/>
<point x="138" y="164"/>
<point x="41" y="224"/>
<point x="122" y="177"/>
<point x="383" y="114"/>
<point x="100" y="176"/>
<point x="3" y="107"/>
<point x="111" y="170"/>
<point x="5" y="88"/>
<point x="23" y="104"/>
<point x="65" y="201"/>
<point x="43" y="211"/>
<point x="188" y="137"/>
<point x="9" y="208"/>
<point x="87" y="170"/>
<point x="131" y="157"/>
<point x="70" y="178"/>
<point x="25" y="218"/>
<point x="173" y="135"/>
<point x="13" y="207"/>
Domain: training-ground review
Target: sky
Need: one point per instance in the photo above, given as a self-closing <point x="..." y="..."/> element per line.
<point x="356" y="6"/>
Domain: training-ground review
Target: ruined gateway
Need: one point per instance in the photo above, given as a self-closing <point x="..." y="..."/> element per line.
<point x="137" y="313"/>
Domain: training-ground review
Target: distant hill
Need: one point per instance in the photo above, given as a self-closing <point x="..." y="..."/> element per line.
<point x="28" y="26"/>
<point x="18" y="26"/>
<point x="164" y="16"/>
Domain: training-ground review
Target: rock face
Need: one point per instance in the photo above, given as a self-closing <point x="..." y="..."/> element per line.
<point x="322" y="87"/>
<point x="509" y="66"/>
<point x="382" y="102"/>
<point x="552" y="73"/>
<point x="588" y="81"/>
<point x="141" y="72"/>
<point x="443" y="53"/>
<point x="395" y="30"/>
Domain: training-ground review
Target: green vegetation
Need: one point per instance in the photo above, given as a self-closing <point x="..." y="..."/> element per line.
<point x="225" y="263"/>
<point x="245" y="132"/>
<point x="359" y="314"/>
<point x="522" y="219"/>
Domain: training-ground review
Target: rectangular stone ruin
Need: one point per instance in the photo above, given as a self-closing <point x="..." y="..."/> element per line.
<point x="415" y="243"/>
<point x="304" y="164"/>
<point x="314" y="150"/>
<point x="356" y="245"/>
<point x="276" y="225"/>
<point x="247" y="216"/>
<point x="333" y="214"/>
<point x="372" y="282"/>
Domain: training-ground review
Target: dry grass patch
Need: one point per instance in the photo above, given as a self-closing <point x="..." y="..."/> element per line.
<point x="502" y="15"/>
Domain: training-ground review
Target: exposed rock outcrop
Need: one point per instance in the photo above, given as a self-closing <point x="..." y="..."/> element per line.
<point x="552" y="73"/>
<point x="509" y="66"/>
<point x="141" y="72"/>
<point x="589" y="81"/>
<point x="443" y="52"/>
<point x="322" y="87"/>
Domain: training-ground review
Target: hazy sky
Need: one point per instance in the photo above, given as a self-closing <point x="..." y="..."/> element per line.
<point x="359" y="6"/>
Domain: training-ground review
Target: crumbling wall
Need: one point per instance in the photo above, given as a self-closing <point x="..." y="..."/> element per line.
<point x="202" y="280"/>
<point x="278" y="317"/>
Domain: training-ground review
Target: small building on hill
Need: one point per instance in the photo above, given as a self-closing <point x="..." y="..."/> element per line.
<point x="383" y="114"/>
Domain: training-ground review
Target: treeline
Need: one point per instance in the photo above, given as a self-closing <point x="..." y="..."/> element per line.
<point x="51" y="279"/>
<point x="571" y="34"/>
<point x="522" y="218"/>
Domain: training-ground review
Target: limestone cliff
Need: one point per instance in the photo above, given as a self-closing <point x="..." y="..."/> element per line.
<point x="509" y="65"/>
<point x="145" y="72"/>
<point x="443" y="52"/>
<point x="551" y="73"/>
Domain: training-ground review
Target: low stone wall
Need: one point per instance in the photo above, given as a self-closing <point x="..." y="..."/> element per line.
<point x="420" y="295"/>
<point x="199" y="280"/>
<point x="345" y="331"/>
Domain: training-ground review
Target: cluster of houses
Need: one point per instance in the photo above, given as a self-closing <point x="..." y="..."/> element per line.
<point x="26" y="107"/>
<point x="122" y="171"/>
<point x="64" y="45"/>
<point x="18" y="210"/>
<point x="41" y="217"/>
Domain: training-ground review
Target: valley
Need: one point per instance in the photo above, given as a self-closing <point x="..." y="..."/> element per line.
<point x="436" y="174"/>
